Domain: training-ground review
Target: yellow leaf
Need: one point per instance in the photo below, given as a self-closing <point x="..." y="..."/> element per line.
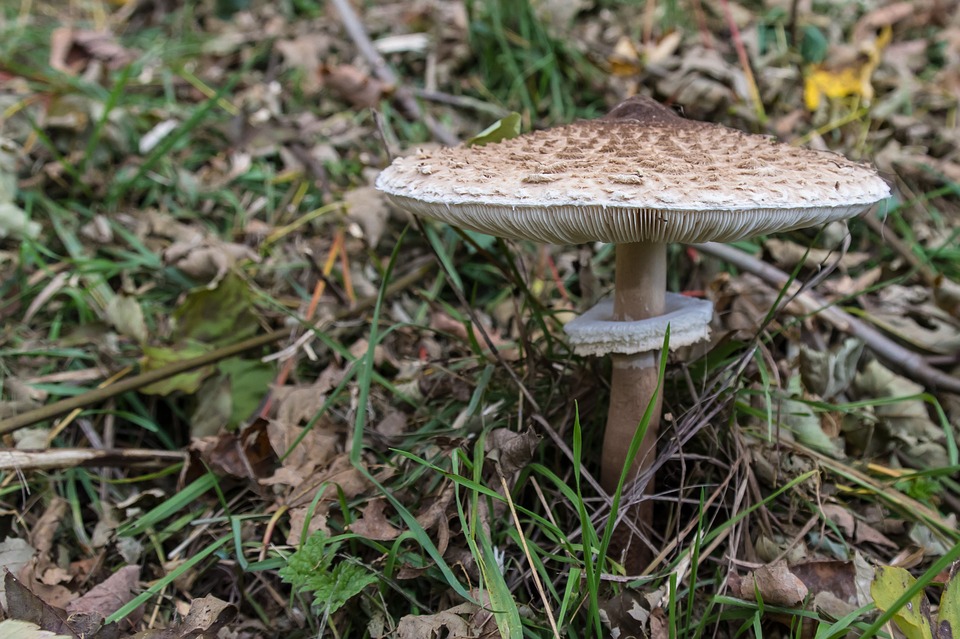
<point x="848" y="80"/>
<point x="834" y="84"/>
<point x="913" y="618"/>
<point x="625" y="59"/>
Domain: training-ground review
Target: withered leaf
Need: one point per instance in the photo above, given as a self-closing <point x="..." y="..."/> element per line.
<point x="373" y="524"/>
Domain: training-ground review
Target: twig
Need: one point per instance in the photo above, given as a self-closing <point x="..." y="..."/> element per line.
<point x="744" y="62"/>
<point x="885" y="348"/>
<point x="351" y="22"/>
<point x="164" y="372"/>
<point x="58" y="458"/>
<point x="890" y="238"/>
<point x="461" y="101"/>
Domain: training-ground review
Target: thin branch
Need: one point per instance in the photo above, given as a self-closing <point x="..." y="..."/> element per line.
<point x="98" y="395"/>
<point x="892" y="354"/>
<point x="60" y="458"/>
<point x="354" y="28"/>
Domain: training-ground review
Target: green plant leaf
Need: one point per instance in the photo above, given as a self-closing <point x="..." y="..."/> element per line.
<point x="249" y="381"/>
<point x="502" y="129"/>
<point x="813" y="45"/>
<point x="309" y="569"/>
<point x="213" y="315"/>
<point x="948" y="625"/>
<point x="159" y="356"/>
<point x="913" y="618"/>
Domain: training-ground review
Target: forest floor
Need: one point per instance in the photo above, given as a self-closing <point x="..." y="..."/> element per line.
<point x="244" y="396"/>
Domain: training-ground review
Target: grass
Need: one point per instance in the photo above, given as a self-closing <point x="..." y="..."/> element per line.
<point x="528" y="544"/>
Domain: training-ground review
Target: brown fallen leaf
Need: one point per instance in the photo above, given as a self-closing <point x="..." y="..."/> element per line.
<point x="774" y="583"/>
<point x="110" y="595"/>
<point x="298" y="517"/>
<point x="23" y="604"/>
<point x="210" y="259"/>
<point x="354" y="85"/>
<point x="512" y="450"/>
<point x="453" y="622"/>
<point x="373" y="524"/>
<point x="71" y="50"/>
<point x="43" y="532"/>
<point x="304" y="52"/>
<point x="245" y="454"/>
<point x="207" y="615"/>
<point x="858" y="531"/>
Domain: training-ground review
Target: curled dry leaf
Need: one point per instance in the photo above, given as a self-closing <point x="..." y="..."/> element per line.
<point x="852" y="528"/>
<point x="373" y="524"/>
<point x="298" y="517"/>
<point x="209" y="259"/>
<point x="454" y="622"/>
<point x="775" y="583"/>
<point x="511" y="450"/>
<point x="246" y="454"/>
<point x="41" y="537"/>
<point x="15" y="553"/>
<point x="304" y="52"/>
<point x="71" y="50"/>
<point x="367" y="207"/>
<point x="829" y="373"/>
<point x="109" y="596"/>
<point x="354" y="85"/>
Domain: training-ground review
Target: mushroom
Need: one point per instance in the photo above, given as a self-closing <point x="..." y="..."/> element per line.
<point x="640" y="177"/>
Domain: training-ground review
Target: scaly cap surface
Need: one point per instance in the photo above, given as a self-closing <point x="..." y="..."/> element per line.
<point x="641" y="173"/>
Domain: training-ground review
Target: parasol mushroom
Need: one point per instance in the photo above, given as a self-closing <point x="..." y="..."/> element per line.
<point x="640" y="177"/>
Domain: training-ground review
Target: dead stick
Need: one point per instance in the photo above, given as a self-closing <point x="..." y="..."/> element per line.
<point x="164" y="372"/>
<point x="885" y="348"/>
<point x="57" y="458"/>
<point x="353" y="26"/>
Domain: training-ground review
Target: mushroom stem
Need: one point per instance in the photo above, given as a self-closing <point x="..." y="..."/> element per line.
<point x="641" y="282"/>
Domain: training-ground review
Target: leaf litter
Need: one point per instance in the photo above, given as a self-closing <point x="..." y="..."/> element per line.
<point x="147" y="218"/>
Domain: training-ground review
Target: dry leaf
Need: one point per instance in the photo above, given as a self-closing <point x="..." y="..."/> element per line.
<point x="373" y="525"/>
<point x="125" y="314"/>
<point x="451" y="623"/>
<point x="110" y="595"/>
<point x="774" y="583"/>
<point x="512" y="450"/>
<point x="209" y="259"/>
<point x="72" y="49"/>
<point x="367" y="207"/>
<point x="207" y="615"/>
<point x="357" y="87"/>
<point x="15" y="553"/>
<point x="298" y="516"/>
<point x="304" y="52"/>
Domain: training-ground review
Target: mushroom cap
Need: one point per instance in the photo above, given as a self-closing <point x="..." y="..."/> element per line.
<point x="641" y="173"/>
